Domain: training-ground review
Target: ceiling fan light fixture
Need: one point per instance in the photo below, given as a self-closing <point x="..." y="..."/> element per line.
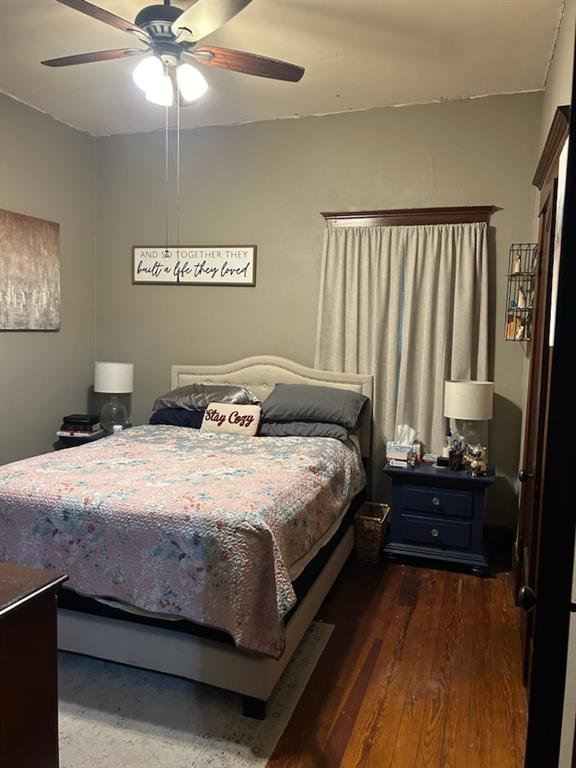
<point x="161" y="92"/>
<point x="148" y="73"/>
<point x="191" y="83"/>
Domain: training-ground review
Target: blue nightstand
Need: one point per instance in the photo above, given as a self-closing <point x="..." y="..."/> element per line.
<point x="438" y="514"/>
<point x="72" y="442"/>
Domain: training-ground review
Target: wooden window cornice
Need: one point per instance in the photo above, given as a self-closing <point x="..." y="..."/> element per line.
<point x="402" y="217"/>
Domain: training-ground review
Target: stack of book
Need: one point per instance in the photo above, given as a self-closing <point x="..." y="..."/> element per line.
<point x="80" y="425"/>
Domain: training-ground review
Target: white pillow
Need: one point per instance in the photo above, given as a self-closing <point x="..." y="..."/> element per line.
<point x="231" y="419"/>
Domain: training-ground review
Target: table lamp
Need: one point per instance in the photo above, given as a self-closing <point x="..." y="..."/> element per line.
<point x="113" y="379"/>
<point x="467" y="402"/>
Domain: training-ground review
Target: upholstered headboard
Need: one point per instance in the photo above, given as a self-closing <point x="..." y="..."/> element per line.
<point x="261" y="373"/>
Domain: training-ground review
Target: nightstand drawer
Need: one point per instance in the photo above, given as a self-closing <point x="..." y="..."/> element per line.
<point x="439" y="533"/>
<point x="437" y="501"/>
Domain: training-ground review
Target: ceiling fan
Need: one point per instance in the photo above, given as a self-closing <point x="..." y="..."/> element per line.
<point x="172" y="36"/>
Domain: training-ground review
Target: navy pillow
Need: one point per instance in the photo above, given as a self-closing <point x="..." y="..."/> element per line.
<point x="178" y="417"/>
<point x="302" y="429"/>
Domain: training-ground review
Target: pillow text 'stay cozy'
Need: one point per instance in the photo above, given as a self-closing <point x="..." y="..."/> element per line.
<point x="231" y="418"/>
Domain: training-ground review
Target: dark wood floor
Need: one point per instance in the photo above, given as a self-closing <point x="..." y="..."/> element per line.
<point x="422" y="671"/>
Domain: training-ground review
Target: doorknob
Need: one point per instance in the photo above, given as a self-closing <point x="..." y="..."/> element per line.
<point x="526" y="598"/>
<point x="524" y="475"/>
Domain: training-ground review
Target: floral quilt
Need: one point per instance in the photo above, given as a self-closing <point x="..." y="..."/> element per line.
<point x="181" y="522"/>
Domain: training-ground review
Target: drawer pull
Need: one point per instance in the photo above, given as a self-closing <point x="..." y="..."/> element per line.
<point x="436" y="501"/>
<point x="435" y="532"/>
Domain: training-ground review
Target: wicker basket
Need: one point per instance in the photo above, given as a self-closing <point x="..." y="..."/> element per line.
<point x="369" y="529"/>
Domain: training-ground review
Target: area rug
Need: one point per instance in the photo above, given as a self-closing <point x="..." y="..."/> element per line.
<point x="113" y="716"/>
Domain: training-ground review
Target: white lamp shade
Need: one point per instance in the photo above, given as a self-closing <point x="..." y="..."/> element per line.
<point x="149" y="71"/>
<point x="192" y="84"/>
<point x="468" y="400"/>
<point x="161" y="92"/>
<point x="114" y="378"/>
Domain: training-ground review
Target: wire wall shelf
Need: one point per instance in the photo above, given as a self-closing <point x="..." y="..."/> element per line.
<point x="520" y="290"/>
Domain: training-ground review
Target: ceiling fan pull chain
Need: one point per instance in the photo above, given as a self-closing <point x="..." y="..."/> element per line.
<point x="166" y="187"/>
<point x="177" y="168"/>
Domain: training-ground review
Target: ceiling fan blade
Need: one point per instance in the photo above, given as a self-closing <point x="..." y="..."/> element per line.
<point x="206" y="16"/>
<point x="248" y="63"/>
<point x="108" y="18"/>
<point x="87" y="58"/>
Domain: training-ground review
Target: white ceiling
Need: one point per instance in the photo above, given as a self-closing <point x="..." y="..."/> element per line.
<point x="357" y="54"/>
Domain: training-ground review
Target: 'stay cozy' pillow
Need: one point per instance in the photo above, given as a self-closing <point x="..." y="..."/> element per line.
<point x="231" y="419"/>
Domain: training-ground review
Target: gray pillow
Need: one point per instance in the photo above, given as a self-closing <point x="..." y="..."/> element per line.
<point x="302" y="402"/>
<point x="302" y="429"/>
<point x="194" y="396"/>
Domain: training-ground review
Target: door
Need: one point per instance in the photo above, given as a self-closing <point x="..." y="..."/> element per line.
<point x="530" y="474"/>
<point x="526" y="559"/>
<point x="557" y="509"/>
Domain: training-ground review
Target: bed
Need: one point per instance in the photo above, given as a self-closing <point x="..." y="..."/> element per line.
<point x="221" y="598"/>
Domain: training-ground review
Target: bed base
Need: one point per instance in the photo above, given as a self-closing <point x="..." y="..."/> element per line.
<point x="207" y="661"/>
<point x="255" y="708"/>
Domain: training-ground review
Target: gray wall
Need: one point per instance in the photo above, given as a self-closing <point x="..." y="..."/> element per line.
<point x="46" y="171"/>
<point x="266" y="183"/>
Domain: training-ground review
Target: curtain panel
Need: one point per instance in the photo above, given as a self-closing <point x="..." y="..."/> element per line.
<point x="408" y="305"/>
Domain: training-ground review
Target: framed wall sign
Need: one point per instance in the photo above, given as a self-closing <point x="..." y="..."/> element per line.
<point x="194" y="265"/>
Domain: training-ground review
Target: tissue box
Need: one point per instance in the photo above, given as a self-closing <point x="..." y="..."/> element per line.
<point x="398" y="451"/>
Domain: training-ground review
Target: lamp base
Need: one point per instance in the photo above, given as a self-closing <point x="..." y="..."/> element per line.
<point x="113" y="412"/>
<point x="466" y="432"/>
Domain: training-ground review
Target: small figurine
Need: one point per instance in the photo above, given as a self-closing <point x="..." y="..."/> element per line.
<point x="521" y="298"/>
<point x="512" y="327"/>
<point x="517" y="268"/>
<point x="475" y="460"/>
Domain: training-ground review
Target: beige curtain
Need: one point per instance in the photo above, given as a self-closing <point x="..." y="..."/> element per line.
<point x="410" y="306"/>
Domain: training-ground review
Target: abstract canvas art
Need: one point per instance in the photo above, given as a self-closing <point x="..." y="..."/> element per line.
<point x="29" y="273"/>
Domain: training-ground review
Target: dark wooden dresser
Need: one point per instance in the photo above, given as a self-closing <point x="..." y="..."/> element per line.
<point x="28" y="667"/>
<point x="438" y="514"/>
